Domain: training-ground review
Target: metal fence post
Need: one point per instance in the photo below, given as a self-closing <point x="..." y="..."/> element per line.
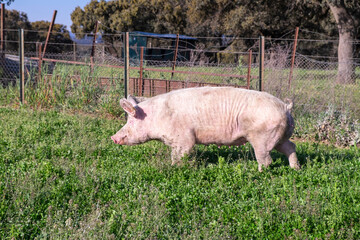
<point x="126" y="63"/>
<point x="74" y="50"/>
<point x="293" y="56"/>
<point x="93" y="48"/>
<point x="39" y="62"/>
<point x="2" y="34"/>
<point x="261" y="62"/>
<point x="21" y="65"/>
<point x="249" y="70"/>
<point x="49" y="33"/>
<point x="141" y="85"/>
<point x="175" y="55"/>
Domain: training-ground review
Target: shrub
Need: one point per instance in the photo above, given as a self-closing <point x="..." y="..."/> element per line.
<point x="338" y="128"/>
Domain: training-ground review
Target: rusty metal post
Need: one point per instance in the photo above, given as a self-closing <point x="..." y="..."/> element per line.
<point x="93" y="47"/>
<point x="141" y="85"/>
<point x="293" y="56"/>
<point x="261" y="62"/>
<point x="126" y="63"/>
<point x="2" y="34"/>
<point x="249" y="70"/>
<point x="49" y="32"/>
<point x="21" y="65"/>
<point x="40" y="61"/>
<point x="175" y="55"/>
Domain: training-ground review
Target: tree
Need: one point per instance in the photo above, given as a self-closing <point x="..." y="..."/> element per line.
<point x="8" y="2"/>
<point x="15" y="20"/>
<point x="160" y="16"/>
<point x="249" y="18"/>
<point x="60" y="36"/>
<point x="34" y="31"/>
<point x="347" y="16"/>
<point x="236" y="18"/>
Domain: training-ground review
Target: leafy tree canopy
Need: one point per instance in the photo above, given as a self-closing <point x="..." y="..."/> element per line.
<point x="8" y="2"/>
<point x="60" y="35"/>
<point x="203" y="17"/>
<point x="34" y="31"/>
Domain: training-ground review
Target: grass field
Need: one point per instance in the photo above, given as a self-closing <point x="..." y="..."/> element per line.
<point x="61" y="177"/>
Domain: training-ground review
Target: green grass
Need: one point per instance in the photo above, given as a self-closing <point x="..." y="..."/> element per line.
<point x="61" y="177"/>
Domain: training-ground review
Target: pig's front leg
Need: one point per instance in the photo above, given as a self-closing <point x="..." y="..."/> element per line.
<point x="178" y="153"/>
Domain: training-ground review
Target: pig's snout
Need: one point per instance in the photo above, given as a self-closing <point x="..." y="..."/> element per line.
<point x="117" y="140"/>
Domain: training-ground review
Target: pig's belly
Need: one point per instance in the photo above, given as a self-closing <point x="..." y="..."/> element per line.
<point x="212" y="136"/>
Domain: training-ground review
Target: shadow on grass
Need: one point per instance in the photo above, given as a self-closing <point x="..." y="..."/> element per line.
<point x="307" y="153"/>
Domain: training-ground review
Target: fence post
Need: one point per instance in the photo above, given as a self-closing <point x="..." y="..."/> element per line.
<point x="293" y="56"/>
<point x="249" y="70"/>
<point x="126" y="63"/>
<point x="2" y="46"/>
<point x="261" y="62"/>
<point x="93" y="47"/>
<point x="175" y="55"/>
<point x="74" y="49"/>
<point x="49" y="33"/>
<point x="141" y="85"/>
<point x="40" y="61"/>
<point x="21" y="65"/>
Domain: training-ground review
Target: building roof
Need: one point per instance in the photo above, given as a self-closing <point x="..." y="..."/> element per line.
<point x="159" y="35"/>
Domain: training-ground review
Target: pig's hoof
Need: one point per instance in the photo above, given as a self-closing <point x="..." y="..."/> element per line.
<point x="296" y="167"/>
<point x="175" y="163"/>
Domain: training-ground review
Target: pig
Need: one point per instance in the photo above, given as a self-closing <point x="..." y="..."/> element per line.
<point x="211" y="115"/>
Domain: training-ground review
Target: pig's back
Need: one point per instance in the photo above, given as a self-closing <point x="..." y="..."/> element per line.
<point x="218" y="114"/>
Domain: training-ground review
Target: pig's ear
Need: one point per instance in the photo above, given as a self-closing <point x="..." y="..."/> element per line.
<point x="128" y="107"/>
<point x="136" y="100"/>
<point x="132" y="100"/>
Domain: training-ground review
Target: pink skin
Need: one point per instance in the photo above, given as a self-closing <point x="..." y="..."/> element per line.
<point x="132" y="133"/>
<point x="117" y="140"/>
<point x="210" y="115"/>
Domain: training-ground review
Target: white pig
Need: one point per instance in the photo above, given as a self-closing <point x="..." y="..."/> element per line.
<point x="211" y="115"/>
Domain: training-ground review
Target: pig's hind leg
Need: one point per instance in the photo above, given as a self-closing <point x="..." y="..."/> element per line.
<point x="288" y="148"/>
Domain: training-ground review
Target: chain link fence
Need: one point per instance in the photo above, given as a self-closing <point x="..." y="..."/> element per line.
<point x="314" y="85"/>
<point x="85" y="74"/>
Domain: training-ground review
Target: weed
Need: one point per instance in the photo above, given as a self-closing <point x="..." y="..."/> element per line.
<point x="338" y="128"/>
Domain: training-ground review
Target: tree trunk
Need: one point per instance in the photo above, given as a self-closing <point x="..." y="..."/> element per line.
<point x="346" y="26"/>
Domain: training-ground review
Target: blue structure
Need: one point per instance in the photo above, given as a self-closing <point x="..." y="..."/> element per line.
<point x="141" y="39"/>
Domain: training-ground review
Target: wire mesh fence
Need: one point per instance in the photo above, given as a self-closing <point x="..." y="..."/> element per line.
<point x="314" y="85"/>
<point x="81" y="73"/>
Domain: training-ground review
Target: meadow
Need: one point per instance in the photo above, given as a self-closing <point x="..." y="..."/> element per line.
<point x="63" y="178"/>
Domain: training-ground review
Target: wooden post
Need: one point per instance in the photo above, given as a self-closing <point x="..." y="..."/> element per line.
<point x="49" y="32"/>
<point x="249" y="70"/>
<point x="293" y="56"/>
<point x="175" y="55"/>
<point x="126" y="63"/>
<point x="39" y="62"/>
<point x="21" y="65"/>
<point x="141" y="85"/>
<point x="261" y="62"/>
<point x="2" y="34"/>
<point x="93" y="47"/>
